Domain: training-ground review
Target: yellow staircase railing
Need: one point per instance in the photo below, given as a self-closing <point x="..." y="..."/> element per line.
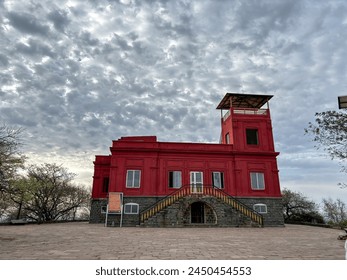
<point x="235" y="203"/>
<point x="163" y="203"/>
<point x="202" y="190"/>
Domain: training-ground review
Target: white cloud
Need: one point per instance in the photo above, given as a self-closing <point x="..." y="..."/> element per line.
<point x="77" y="74"/>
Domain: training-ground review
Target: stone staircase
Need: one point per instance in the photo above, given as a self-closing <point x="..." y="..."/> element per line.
<point x="153" y="216"/>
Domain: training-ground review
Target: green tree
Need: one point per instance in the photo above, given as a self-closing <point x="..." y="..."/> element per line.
<point x="298" y="208"/>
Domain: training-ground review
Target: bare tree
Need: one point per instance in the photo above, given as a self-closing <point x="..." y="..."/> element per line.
<point x="10" y="161"/>
<point x="297" y="207"/>
<point x="48" y="194"/>
<point x="5" y="205"/>
<point x="10" y="157"/>
<point x="329" y="132"/>
<point x="335" y="211"/>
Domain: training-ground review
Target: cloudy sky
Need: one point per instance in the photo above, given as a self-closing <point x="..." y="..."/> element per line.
<point x="78" y="74"/>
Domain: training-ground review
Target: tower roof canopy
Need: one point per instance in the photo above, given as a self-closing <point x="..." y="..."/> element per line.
<point x="240" y="100"/>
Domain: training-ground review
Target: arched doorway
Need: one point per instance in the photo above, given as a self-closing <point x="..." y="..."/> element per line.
<point x="202" y="213"/>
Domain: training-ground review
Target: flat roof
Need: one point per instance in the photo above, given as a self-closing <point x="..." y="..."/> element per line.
<point x="240" y="100"/>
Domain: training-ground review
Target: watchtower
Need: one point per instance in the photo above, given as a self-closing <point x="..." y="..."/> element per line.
<point x="246" y="124"/>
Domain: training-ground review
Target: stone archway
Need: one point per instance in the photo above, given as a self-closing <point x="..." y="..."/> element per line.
<point x="202" y="213"/>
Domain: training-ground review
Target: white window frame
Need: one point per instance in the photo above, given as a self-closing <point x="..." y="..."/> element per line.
<point x="260" y="208"/>
<point x="220" y="180"/>
<point x="134" y="208"/>
<point x="176" y="179"/>
<point x="196" y="185"/>
<point x="132" y="177"/>
<point x="257" y="180"/>
<point x="103" y="209"/>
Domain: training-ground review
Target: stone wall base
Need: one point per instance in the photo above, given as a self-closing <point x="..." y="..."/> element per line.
<point x="215" y="212"/>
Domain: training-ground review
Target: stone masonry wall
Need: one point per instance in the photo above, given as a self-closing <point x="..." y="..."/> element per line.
<point x="96" y="216"/>
<point x="178" y="214"/>
<point x="274" y="215"/>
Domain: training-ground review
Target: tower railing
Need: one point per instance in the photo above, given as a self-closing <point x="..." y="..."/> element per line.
<point x="245" y="111"/>
<point x="250" y="111"/>
<point x="203" y="190"/>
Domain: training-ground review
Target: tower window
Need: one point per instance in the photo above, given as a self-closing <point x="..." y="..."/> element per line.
<point x="252" y="136"/>
<point x="227" y="138"/>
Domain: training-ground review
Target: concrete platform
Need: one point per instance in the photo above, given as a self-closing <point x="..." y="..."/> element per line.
<point x="86" y="241"/>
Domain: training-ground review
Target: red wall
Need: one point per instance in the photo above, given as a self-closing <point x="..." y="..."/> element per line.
<point x="101" y="171"/>
<point x="156" y="159"/>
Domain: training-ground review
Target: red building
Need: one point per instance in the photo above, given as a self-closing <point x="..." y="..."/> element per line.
<point x="232" y="183"/>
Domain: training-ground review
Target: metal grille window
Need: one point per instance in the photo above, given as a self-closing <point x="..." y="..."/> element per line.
<point x="260" y="208"/>
<point x="131" y="208"/>
<point x="133" y="178"/>
<point x="175" y="179"/>
<point x="257" y="181"/>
